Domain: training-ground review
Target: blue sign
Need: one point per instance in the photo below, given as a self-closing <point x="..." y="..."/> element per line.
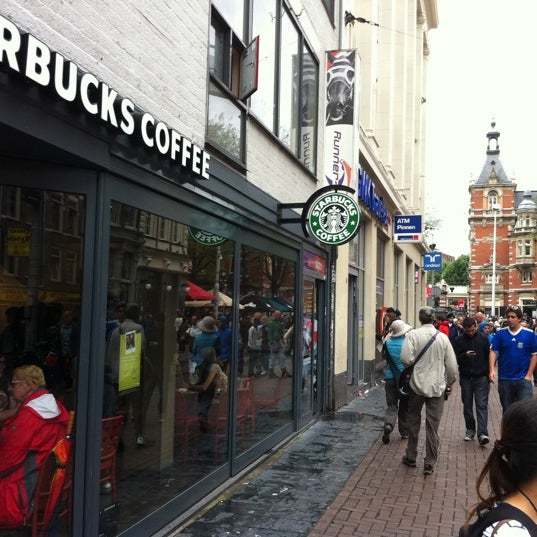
<point x="369" y="197"/>
<point x="407" y="228"/>
<point x="432" y="261"/>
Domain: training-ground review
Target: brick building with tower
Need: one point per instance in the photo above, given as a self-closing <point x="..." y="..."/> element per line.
<point x="494" y="198"/>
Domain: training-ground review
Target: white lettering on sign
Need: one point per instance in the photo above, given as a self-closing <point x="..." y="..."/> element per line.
<point x="50" y="69"/>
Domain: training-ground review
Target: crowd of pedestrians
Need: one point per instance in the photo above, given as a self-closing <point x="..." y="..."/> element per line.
<point x="421" y="366"/>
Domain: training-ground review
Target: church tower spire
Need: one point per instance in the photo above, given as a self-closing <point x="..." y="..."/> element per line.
<point x="493" y="172"/>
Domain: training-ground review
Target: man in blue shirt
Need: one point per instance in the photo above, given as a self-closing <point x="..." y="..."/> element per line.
<point x="515" y="349"/>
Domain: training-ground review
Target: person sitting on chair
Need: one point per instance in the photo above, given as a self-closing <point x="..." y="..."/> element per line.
<point x="26" y="439"/>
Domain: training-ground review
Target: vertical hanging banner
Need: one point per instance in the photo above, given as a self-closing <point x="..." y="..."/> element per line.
<point x="341" y="134"/>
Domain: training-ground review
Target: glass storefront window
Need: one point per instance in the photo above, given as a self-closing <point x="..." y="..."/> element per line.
<point x="265" y="385"/>
<point x="168" y="348"/>
<point x="40" y="306"/>
<point x="310" y="333"/>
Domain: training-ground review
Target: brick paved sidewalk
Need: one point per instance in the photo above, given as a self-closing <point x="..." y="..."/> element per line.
<point x="385" y="498"/>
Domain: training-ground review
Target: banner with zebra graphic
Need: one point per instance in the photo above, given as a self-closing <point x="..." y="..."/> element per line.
<point x="341" y="119"/>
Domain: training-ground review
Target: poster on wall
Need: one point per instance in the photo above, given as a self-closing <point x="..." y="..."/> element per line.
<point x="130" y="360"/>
<point x="341" y="118"/>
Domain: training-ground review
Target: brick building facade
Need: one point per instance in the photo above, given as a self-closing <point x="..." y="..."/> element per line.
<point x="516" y="234"/>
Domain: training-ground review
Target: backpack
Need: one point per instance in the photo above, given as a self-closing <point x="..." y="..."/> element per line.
<point x="501" y="513"/>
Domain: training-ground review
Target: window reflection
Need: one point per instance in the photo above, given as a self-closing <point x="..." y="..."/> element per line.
<point x="289" y="83"/>
<point x="168" y="347"/>
<point x="41" y="254"/>
<point x="224" y="123"/>
<point x="266" y="346"/>
<point x="264" y="26"/>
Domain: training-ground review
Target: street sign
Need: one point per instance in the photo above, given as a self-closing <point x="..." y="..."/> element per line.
<point x="407" y="228"/>
<point x="432" y="261"/>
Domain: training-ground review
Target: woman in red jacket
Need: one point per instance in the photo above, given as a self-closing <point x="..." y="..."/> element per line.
<point x="25" y="441"/>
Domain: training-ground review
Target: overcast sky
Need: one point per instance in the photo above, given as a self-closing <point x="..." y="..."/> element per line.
<point x="481" y="66"/>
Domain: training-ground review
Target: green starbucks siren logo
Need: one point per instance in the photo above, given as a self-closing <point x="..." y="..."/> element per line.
<point x="205" y="237"/>
<point x="333" y="217"/>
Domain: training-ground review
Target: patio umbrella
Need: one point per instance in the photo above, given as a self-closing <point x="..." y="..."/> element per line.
<point x="256" y="302"/>
<point x="195" y="292"/>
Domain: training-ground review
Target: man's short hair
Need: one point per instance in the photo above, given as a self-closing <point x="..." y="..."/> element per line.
<point x="469" y="322"/>
<point x="426" y="315"/>
<point x="517" y="310"/>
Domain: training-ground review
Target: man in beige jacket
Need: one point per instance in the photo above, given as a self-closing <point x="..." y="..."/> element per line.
<point x="435" y="371"/>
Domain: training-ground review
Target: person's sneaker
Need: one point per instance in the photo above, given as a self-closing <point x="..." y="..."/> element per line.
<point x="408" y="462"/>
<point x="428" y="469"/>
<point x="140" y="441"/>
<point x="469" y="436"/>
<point x="386" y="434"/>
<point x="483" y="439"/>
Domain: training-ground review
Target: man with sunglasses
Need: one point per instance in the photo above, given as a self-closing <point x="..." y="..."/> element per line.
<point x="515" y="349"/>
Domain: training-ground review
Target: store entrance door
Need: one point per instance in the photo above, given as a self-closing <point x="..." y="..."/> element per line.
<point x="312" y="362"/>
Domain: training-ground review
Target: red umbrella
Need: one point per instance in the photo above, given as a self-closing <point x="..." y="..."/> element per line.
<point x="195" y="292"/>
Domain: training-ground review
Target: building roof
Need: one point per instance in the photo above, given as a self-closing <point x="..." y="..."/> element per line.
<point x="526" y="201"/>
<point x="493" y="172"/>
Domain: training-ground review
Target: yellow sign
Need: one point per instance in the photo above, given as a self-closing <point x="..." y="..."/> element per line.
<point x="130" y="360"/>
<point x="18" y="242"/>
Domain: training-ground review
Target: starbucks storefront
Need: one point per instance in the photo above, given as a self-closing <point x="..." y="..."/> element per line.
<point x="111" y="255"/>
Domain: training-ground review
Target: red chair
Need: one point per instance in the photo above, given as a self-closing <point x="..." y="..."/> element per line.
<point x="112" y="429"/>
<point x="186" y="421"/>
<point x="52" y="496"/>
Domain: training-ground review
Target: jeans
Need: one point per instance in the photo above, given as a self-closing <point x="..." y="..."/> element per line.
<point x="434" y="407"/>
<point x="514" y="390"/>
<point x="475" y="389"/>
<point x="397" y="407"/>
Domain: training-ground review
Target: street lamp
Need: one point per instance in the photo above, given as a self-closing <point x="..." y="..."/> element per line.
<point x="495" y="208"/>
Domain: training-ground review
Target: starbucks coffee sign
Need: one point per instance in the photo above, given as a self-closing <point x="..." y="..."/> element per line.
<point x="332" y="215"/>
<point x="205" y="237"/>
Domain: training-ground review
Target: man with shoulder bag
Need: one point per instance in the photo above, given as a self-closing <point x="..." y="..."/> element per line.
<point x="434" y="368"/>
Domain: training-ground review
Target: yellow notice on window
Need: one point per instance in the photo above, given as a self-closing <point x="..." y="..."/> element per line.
<point x="18" y="242"/>
<point x="130" y="360"/>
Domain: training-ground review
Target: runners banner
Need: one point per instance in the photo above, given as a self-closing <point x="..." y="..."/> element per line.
<point x="341" y="118"/>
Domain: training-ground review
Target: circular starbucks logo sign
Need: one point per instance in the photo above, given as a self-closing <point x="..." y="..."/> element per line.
<point x="333" y="217"/>
<point x="205" y="237"/>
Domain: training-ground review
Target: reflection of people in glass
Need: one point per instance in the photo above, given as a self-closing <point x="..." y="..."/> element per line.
<point x="26" y="439"/>
<point x="225" y="338"/>
<point x="207" y="338"/>
<point x="255" y="346"/>
<point x="275" y="333"/>
<point x="64" y="342"/>
<point x="127" y="318"/>
<point x="210" y="374"/>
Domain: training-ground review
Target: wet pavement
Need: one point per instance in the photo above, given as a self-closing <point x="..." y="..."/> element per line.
<point x="288" y="494"/>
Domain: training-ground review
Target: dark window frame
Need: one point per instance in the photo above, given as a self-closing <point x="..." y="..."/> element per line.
<point x="282" y="6"/>
<point x="304" y="46"/>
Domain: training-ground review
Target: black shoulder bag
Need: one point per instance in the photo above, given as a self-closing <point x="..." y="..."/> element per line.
<point x="404" y="379"/>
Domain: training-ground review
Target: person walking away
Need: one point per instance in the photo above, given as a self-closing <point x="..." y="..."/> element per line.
<point x="226" y="339"/>
<point x="508" y="507"/>
<point x="435" y="371"/>
<point x="472" y="352"/>
<point x="396" y="405"/>
<point x="275" y="332"/>
<point x="207" y="337"/>
<point x="514" y="348"/>
<point x="255" y="346"/>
